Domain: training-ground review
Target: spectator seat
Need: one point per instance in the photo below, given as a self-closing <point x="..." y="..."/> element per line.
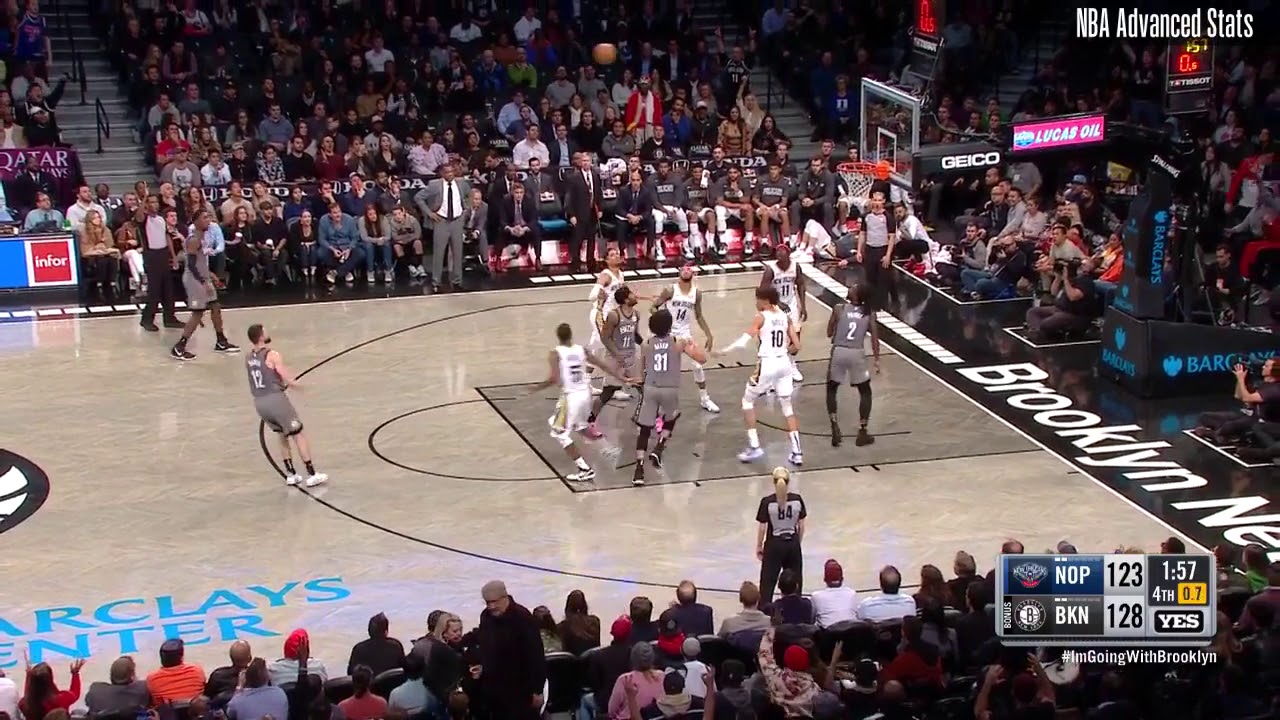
<point x="338" y="689"/>
<point x="566" y="676"/>
<point x="388" y="680"/>
<point x="1232" y="600"/>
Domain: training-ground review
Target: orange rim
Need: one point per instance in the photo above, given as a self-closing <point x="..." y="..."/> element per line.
<point x="878" y="170"/>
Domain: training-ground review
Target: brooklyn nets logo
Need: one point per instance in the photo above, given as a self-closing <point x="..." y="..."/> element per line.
<point x="1029" y="616"/>
<point x="23" y="489"/>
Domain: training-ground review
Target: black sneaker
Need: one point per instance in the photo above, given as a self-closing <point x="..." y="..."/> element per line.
<point x="179" y="353"/>
<point x="836" y="436"/>
<point x="864" y="438"/>
<point x="225" y="347"/>
<point x="655" y="459"/>
<point x="174" y="324"/>
<point x="149" y="326"/>
<point x="637" y="480"/>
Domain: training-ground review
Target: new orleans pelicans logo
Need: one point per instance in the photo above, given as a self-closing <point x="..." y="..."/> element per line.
<point x="1030" y="575"/>
<point x="23" y="489"/>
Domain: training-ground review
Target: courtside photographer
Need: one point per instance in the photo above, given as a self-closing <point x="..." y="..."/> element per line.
<point x="1257" y="423"/>
<point x="1075" y="303"/>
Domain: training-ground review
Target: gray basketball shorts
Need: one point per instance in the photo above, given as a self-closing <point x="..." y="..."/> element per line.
<point x="657" y="402"/>
<point x="628" y="365"/>
<point x="848" y="365"/>
<point x="199" y="295"/>
<point x="278" y="413"/>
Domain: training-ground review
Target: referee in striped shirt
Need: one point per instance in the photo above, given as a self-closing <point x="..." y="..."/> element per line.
<point x="876" y="239"/>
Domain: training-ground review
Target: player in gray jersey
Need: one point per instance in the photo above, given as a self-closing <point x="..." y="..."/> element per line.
<point x="268" y="381"/>
<point x="848" y="327"/>
<point x="660" y="359"/>
<point x="621" y="338"/>
<point x="771" y="199"/>
<point x="201" y="294"/>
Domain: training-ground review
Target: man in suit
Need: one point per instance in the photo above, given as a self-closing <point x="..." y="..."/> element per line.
<point x="583" y="202"/>
<point x="475" y="227"/>
<point x="544" y="189"/>
<point x="635" y="214"/>
<point x="442" y="202"/>
<point x="561" y="150"/>
<point x="519" y="223"/>
<point x="32" y="181"/>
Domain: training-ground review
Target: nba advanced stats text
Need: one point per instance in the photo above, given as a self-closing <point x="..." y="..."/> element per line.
<point x="1106" y="600"/>
<point x="1119" y="23"/>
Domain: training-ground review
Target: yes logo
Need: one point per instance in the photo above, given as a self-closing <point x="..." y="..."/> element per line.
<point x="1172" y="365"/>
<point x="1120" y="337"/>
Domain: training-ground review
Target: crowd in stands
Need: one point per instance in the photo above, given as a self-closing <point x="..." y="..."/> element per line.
<point x="238" y="102"/>
<point x="835" y="653"/>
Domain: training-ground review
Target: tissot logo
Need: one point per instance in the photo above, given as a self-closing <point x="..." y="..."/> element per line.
<point x="1191" y="82"/>
<point x="976" y="160"/>
<point x="23" y="489"/>
<point x="925" y="44"/>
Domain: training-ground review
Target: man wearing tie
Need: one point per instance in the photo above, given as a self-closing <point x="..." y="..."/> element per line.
<point x="519" y="221"/>
<point x="635" y="214"/>
<point x="583" y="203"/>
<point x="444" y="199"/>
<point x="475" y="226"/>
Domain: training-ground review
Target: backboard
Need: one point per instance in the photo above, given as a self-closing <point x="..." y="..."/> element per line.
<point x="890" y="128"/>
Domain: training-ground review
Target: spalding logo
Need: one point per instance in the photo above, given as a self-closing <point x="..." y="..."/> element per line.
<point x="23" y="489"/>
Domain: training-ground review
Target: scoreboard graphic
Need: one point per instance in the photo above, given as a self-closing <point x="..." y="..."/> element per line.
<point x="1106" y="600"/>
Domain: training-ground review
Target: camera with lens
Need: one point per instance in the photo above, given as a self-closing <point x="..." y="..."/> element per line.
<point x="1068" y="268"/>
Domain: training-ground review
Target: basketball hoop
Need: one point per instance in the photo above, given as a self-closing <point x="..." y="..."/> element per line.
<point x="859" y="176"/>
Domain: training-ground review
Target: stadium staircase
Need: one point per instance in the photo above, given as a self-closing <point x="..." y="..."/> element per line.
<point x="94" y="112"/>
<point x="769" y="91"/>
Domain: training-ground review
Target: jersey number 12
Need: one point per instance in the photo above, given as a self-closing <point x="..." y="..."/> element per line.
<point x="258" y="383"/>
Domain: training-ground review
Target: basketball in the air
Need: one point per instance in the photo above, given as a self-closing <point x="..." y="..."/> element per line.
<point x="605" y="54"/>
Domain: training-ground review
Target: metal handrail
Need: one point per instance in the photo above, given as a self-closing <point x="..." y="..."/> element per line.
<point x="77" y="62"/>
<point x="102" y="121"/>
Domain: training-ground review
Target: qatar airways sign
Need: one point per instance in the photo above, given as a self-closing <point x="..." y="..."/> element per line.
<point x="1059" y="133"/>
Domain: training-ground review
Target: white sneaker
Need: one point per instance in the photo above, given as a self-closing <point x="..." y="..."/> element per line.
<point x="317" y="479"/>
<point x="622" y="395"/>
<point x="293" y="479"/>
<point x="796" y="376"/>
<point x="349" y="278"/>
<point x="796" y="459"/>
<point x="582" y="476"/>
<point x="708" y="405"/>
<point x="331" y="276"/>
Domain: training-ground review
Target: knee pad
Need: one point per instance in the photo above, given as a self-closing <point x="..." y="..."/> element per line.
<point x="784" y="403"/>
<point x="563" y="437"/>
<point x="748" y="401"/>
<point x="699" y="375"/>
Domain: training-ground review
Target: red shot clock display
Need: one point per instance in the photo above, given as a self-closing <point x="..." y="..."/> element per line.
<point x="930" y="17"/>
<point x="1188" y="75"/>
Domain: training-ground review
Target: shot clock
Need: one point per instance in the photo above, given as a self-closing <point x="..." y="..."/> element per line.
<point x="1188" y="75"/>
<point x="1106" y="600"/>
<point x="926" y="37"/>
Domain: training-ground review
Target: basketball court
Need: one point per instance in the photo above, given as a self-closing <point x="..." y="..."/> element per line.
<point x="166" y="516"/>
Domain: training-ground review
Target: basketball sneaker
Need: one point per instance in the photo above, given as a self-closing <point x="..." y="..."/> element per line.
<point x="622" y="395"/>
<point x="751" y="454"/>
<point x="181" y="353"/>
<point x="223" y="346"/>
<point x="582" y="476"/>
<point x="864" y="438"/>
<point x="593" y="432"/>
<point x="796" y="376"/>
<point x="316" y="479"/>
<point x="796" y="459"/>
<point x="708" y="404"/>
<point x="837" y="437"/>
<point x="637" y="480"/>
<point x="292" y="479"/>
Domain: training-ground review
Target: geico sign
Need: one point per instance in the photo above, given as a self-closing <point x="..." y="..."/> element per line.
<point x="976" y="160"/>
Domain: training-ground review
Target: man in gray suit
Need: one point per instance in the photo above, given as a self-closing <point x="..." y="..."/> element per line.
<point x="442" y="202"/>
<point x="475" y="227"/>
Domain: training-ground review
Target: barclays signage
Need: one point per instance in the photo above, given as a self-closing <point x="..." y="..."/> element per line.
<point x="1201" y="363"/>
<point x="1159" y="238"/>
<point x="1113" y="354"/>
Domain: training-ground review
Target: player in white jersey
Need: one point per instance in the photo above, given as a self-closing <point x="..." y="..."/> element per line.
<point x="777" y="339"/>
<point x="568" y="363"/>
<point x="684" y="302"/>
<point x="602" y="302"/>
<point x="783" y="275"/>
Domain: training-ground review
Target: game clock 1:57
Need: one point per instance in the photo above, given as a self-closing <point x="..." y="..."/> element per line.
<point x="930" y="17"/>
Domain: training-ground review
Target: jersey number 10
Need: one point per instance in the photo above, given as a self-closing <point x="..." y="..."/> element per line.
<point x="778" y="338"/>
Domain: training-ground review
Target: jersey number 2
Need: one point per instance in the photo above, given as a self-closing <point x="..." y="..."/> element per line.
<point x="853" y="332"/>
